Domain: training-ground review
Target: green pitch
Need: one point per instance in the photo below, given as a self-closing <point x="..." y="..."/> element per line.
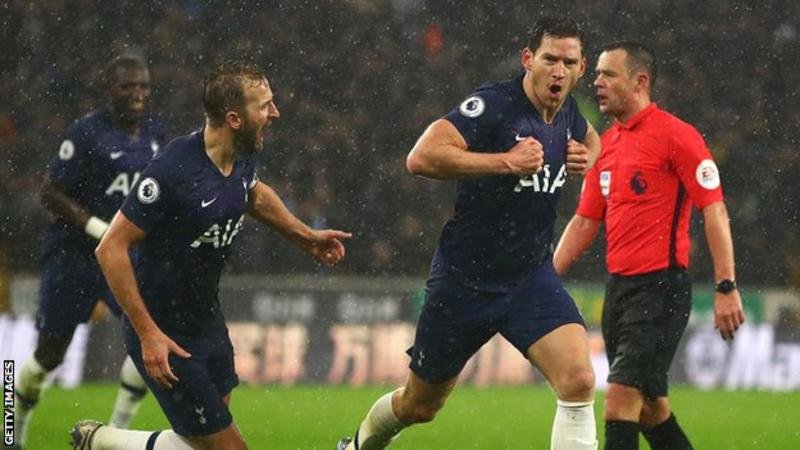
<point x="314" y="418"/>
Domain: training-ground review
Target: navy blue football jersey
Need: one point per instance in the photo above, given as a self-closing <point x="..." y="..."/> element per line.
<point x="191" y="213"/>
<point x="97" y="165"/>
<point x="503" y="225"/>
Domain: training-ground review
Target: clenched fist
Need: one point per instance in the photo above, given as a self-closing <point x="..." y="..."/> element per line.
<point x="577" y="157"/>
<point x="525" y="158"/>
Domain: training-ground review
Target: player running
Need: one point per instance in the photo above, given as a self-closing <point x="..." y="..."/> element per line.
<point x="510" y="146"/>
<point x="183" y="216"/>
<point x="100" y="158"/>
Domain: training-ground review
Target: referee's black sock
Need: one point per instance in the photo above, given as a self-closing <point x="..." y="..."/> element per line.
<point x="622" y="435"/>
<point x="667" y="435"/>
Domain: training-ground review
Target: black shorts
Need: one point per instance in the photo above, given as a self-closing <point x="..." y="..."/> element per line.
<point x="644" y="317"/>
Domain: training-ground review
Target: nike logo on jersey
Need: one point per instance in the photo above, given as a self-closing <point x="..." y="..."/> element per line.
<point x="116" y="155"/>
<point x="520" y="138"/>
<point x="206" y="203"/>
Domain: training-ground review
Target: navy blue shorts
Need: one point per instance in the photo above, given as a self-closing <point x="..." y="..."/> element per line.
<point x="194" y="405"/>
<point x="457" y="320"/>
<point x="71" y="285"/>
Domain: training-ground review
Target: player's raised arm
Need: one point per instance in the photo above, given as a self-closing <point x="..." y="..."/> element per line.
<point x="441" y="153"/>
<point x="114" y="259"/>
<point x="325" y="246"/>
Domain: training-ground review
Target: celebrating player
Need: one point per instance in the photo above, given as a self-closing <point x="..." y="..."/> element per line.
<point x="184" y="214"/>
<point x="653" y="167"/>
<point x="100" y="158"/>
<point x="510" y="146"/>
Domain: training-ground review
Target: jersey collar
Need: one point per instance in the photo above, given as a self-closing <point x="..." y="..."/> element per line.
<point x="634" y="121"/>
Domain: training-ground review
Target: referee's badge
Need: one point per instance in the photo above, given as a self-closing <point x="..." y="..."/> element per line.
<point x="605" y="182"/>
<point x="707" y="174"/>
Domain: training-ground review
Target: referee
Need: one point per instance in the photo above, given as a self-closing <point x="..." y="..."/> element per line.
<point x="652" y="169"/>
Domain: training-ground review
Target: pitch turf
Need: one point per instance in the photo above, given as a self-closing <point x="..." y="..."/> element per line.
<point x="314" y="418"/>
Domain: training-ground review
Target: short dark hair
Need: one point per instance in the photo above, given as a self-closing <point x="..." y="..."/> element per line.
<point x="640" y="57"/>
<point x="126" y="61"/>
<point x="223" y="88"/>
<point x="558" y="27"/>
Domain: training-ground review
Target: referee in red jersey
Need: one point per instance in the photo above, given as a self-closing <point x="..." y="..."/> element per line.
<point x="652" y="169"/>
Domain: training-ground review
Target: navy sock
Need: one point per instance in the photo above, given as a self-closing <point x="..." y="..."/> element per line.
<point x="622" y="435"/>
<point x="667" y="435"/>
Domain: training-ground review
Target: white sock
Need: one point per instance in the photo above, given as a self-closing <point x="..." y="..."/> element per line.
<point x="29" y="386"/>
<point x="379" y="428"/>
<point x="131" y="391"/>
<point x="574" y="427"/>
<point x="110" y="438"/>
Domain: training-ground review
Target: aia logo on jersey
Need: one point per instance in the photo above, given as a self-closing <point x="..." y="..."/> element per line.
<point x="219" y="236"/>
<point x="122" y="184"/>
<point x="638" y="183"/>
<point x="543" y="181"/>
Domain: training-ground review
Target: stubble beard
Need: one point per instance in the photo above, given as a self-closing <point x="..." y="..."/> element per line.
<point x="246" y="141"/>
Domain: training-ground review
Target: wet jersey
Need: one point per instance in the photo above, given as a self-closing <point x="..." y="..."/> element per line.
<point x="651" y="170"/>
<point x="503" y="225"/>
<point x="191" y="213"/>
<point x="97" y="165"/>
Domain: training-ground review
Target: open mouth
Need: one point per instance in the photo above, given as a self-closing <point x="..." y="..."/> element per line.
<point x="555" y="89"/>
<point x="136" y="103"/>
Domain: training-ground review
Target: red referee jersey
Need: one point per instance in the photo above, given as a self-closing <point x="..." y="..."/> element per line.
<point x="650" y="171"/>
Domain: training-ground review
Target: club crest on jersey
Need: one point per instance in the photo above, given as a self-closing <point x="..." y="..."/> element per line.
<point x="148" y="191"/>
<point x="707" y="174"/>
<point x="154" y="146"/>
<point x="67" y="150"/>
<point x="473" y="106"/>
<point x="541" y="181"/>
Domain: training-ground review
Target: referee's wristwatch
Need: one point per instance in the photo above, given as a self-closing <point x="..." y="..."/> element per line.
<point x="726" y="286"/>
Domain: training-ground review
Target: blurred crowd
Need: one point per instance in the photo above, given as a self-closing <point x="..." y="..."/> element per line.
<point x="357" y="81"/>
